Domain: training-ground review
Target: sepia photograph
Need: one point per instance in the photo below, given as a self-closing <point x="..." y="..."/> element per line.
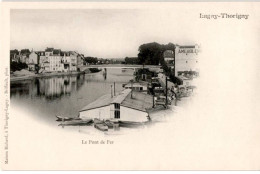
<point x="82" y="80"/>
<point x="130" y="86"/>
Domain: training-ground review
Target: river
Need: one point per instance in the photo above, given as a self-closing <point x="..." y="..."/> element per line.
<point x="64" y="95"/>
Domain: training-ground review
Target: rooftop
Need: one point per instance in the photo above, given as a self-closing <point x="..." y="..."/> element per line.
<point x="49" y="49"/>
<point x="188" y="46"/>
<point x="140" y="101"/>
<point x="56" y="51"/>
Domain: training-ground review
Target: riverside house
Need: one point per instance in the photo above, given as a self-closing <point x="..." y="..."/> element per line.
<point x="33" y="61"/>
<point x="49" y="60"/>
<point x="126" y="106"/>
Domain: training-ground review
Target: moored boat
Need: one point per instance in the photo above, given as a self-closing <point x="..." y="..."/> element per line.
<point x="100" y="125"/>
<point x="97" y="121"/>
<point x="60" y="118"/>
<point x="130" y="124"/>
<point x="77" y="123"/>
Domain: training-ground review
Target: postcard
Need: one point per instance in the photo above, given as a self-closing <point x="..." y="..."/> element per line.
<point x="130" y="86"/>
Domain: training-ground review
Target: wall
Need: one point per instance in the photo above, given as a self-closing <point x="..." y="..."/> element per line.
<point x="55" y="63"/>
<point x="33" y="58"/>
<point x="128" y="114"/>
<point x="186" y="59"/>
<point x="100" y="113"/>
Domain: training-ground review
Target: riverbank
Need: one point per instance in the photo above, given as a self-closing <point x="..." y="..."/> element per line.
<point x="27" y="77"/>
<point x="52" y="74"/>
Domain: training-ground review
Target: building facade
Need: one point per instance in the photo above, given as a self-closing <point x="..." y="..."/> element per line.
<point x="33" y="61"/>
<point x="126" y="106"/>
<point x="186" y="58"/>
<point x="49" y="60"/>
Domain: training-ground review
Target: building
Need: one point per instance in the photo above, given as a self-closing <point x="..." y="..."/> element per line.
<point x="49" y="51"/>
<point x="126" y="106"/>
<point x="69" y="61"/>
<point x="24" y="56"/>
<point x="137" y="86"/>
<point x="55" y="63"/>
<point x="186" y="58"/>
<point x="14" y="55"/>
<point x="33" y="61"/>
<point x="50" y="60"/>
<point x="168" y="56"/>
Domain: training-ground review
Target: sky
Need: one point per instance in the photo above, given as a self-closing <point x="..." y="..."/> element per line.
<point x="104" y="33"/>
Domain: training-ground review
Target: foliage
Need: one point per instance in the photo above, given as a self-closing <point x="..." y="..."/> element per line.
<point x="149" y="74"/>
<point x="131" y="60"/>
<point x="152" y="53"/>
<point x="14" y="52"/>
<point x="90" y="60"/>
<point x="15" y="66"/>
<point x="25" y="51"/>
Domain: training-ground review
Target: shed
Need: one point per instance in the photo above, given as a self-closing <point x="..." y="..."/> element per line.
<point x="124" y="107"/>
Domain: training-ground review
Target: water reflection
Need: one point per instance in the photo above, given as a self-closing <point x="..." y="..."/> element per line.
<point x="49" y="88"/>
<point x="64" y="95"/>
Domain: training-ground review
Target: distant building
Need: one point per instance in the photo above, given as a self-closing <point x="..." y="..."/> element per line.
<point x="69" y="61"/>
<point x="186" y="58"/>
<point x="122" y="107"/>
<point x="24" y="56"/>
<point x="14" y="56"/>
<point x="137" y="86"/>
<point x="49" y="51"/>
<point x="43" y="61"/>
<point x="169" y="57"/>
<point x="49" y="60"/>
<point x="33" y="61"/>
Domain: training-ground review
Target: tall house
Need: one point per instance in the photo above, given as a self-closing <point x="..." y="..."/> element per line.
<point x="33" y="61"/>
<point x="55" y="60"/>
<point x="186" y="58"/>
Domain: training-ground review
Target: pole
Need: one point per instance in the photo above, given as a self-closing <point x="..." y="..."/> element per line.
<point x="111" y="91"/>
<point x="153" y="101"/>
<point x="114" y="88"/>
<point x="174" y="63"/>
<point x="166" y="82"/>
<point x="131" y="88"/>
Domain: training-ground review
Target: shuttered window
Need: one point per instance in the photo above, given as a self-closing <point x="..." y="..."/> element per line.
<point x="117" y="110"/>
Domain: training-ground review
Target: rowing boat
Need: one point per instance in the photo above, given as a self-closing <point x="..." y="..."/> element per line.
<point x="100" y="125"/>
<point x="77" y="123"/>
<point x="60" y="118"/>
<point x="130" y="124"/>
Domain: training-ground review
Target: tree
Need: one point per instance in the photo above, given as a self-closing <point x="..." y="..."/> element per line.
<point x="131" y="60"/>
<point x="152" y="53"/>
<point x="15" y="66"/>
<point x="91" y="60"/>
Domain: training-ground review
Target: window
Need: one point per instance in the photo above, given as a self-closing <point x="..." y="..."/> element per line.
<point x="117" y="110"/>
<point x="117" y="106"/>
<point x="117" y="114"/>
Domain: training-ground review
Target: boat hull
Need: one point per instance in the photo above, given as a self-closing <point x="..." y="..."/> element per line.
<point x="77" y="123"/>
<point x="130" y="124"/>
